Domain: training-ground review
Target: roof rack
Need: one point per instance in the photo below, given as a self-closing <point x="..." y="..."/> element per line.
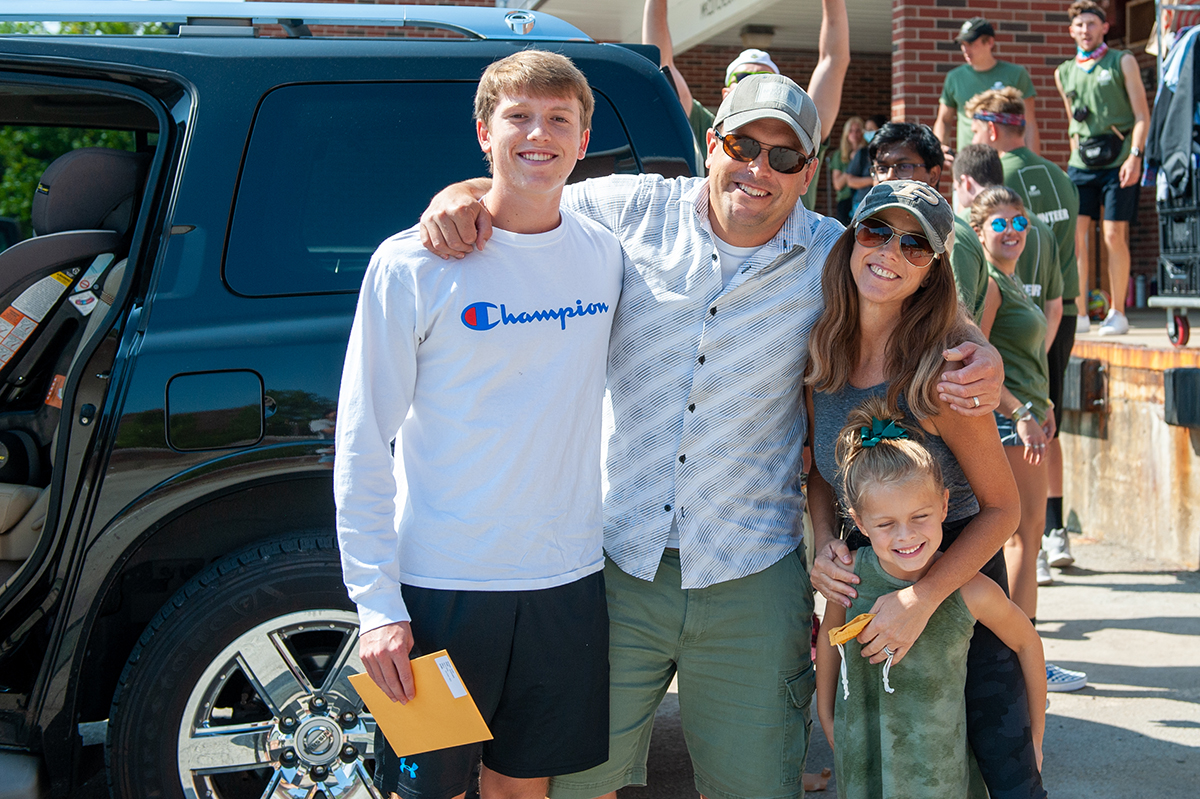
<point x="209" y="18"/>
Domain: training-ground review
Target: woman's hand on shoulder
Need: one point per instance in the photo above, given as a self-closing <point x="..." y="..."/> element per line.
<point x="833" y="572"/>
<point x="900" y="618"/>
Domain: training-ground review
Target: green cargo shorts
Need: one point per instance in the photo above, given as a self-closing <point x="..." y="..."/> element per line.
<point x="742" y="651"/>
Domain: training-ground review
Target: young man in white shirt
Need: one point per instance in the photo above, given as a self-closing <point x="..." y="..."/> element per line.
<point x="480" y="531"/>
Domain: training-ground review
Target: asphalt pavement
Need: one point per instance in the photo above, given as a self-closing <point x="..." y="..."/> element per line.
<point x="1134" y="626"/>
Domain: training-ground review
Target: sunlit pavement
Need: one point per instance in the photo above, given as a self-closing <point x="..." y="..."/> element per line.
<point x="1134" y="626"/>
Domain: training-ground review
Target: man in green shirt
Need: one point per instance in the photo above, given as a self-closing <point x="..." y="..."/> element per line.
<point x="996" y="120"/>
<point x="1106" y="101"/>
<point x="977" y="40"/>
<point x="824" y="87"/>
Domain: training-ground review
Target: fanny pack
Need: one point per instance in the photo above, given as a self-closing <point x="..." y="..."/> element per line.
<point x="1101" y="150"/>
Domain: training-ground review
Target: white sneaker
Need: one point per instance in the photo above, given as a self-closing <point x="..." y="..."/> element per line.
<point x="1060" y="680"/>
<point x="1057" y="548"/>
<point x="1083" y="324"/>
<point x="1043" y="569"/>
<point x="1115" y="324"/>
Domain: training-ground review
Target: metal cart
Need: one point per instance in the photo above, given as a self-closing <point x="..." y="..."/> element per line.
<point x="1179" y="232"/>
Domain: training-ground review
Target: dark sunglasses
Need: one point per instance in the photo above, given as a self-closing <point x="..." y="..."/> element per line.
<point x="781" y="159"/>
<point x="1019" y="223"/>
<point x="915" y="248"/>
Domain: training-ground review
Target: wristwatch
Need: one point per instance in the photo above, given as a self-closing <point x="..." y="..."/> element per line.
<point x="1136" y="152"/>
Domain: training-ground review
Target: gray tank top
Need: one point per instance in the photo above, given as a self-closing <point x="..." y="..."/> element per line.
<point x="830" y="412"/>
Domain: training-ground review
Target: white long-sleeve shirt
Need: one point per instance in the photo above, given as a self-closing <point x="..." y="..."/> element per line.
<point x="488" y="373"/>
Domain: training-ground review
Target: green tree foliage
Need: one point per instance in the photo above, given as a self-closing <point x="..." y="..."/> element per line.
<point x="25" y="152"/>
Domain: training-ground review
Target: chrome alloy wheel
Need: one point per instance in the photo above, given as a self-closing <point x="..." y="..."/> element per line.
<point x="275" y="716"/>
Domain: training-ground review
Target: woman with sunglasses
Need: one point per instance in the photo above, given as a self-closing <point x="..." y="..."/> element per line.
<point x="890" y="311"/>
<point x="1017" y="328"/>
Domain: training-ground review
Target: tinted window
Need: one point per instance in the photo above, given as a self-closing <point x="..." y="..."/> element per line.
<point x="334" y="169"/>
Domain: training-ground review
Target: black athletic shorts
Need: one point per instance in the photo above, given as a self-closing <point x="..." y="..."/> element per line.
<point x="1058" y="357"/>
<point x="536" y="664"/>
<point x="1101" y="188"/>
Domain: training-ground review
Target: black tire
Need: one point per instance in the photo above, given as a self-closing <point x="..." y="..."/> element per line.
<point x="238" y="685"/>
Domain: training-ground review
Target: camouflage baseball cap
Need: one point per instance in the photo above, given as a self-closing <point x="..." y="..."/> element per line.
<point x="919" y="199"/>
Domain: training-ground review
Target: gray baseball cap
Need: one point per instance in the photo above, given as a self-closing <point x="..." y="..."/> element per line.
<point x="771" y="97"/>
<point x="919" y="199"/>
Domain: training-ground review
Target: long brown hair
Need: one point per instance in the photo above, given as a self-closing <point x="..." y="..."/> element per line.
<point x="932" y="320"/>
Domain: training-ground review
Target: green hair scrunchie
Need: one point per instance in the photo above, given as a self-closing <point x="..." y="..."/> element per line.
<point x="879" y="430"/>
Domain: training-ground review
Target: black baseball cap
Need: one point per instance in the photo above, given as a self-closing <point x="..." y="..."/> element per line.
<point x="973" y="28"/>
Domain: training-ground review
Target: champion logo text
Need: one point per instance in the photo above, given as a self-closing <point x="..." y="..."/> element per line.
<point x="483" y="316"/>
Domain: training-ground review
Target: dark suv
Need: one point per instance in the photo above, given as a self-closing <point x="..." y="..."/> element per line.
<point x="172" y="617"/>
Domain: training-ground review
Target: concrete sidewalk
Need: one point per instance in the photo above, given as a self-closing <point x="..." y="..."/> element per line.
<point x="1134" y="626"/>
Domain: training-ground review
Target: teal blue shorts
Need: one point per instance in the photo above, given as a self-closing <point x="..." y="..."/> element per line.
<point x="742" y="652"/>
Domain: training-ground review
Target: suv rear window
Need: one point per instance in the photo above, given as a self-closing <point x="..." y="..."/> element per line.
<point x="334" y="169"/>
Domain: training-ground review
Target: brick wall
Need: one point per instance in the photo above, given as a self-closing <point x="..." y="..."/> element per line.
<point x="1032" y="33"/>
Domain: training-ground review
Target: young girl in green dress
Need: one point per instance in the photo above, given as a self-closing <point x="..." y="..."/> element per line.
<point x="901" y="731"/>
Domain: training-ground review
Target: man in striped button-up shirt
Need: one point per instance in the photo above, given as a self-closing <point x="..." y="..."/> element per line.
<point x="706" y="574"/>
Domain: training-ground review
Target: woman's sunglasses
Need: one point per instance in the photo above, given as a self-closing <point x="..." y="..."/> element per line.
<point x="1019" y="223"/>
<point x="781" y="159"/>
<point x="916" y="249"/>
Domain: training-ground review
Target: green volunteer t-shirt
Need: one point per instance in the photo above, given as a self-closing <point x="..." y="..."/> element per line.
<point x="809" y="200"/>
<point x="1102" y="90"/>
<point x="836" y="164"/>
<point x="964" y="82"/>
<point x="969" y="267"/>
<point x="1051" y="196"/>
<point x="701" y="120"/>
<point x="1038" y="267"/>
<point x="1019" y="335"/>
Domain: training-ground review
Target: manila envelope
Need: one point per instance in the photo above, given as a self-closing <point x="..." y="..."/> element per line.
<point x="442" y="715"/>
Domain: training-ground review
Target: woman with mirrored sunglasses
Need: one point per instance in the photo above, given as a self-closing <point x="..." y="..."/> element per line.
<point x="891" y="310"/>
<point x="1017" y="328"/>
